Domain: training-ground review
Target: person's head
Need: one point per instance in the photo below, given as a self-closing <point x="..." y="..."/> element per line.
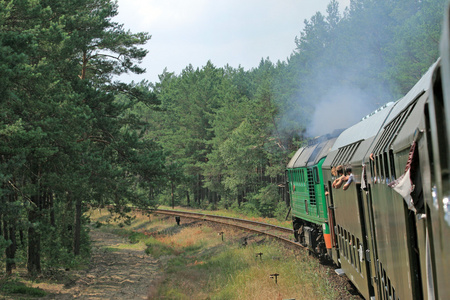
<point x="348" y="170"/>
<point x="339" y="170"/>
<point x="333" y="171"/>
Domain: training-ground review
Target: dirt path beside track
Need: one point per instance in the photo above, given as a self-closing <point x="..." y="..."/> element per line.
<point x="118" y="270"/>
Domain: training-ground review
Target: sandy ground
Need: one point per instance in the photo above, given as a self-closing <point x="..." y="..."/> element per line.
<point x="118" y="270"/>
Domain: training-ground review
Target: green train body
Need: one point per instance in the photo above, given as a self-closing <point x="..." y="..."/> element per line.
<point x="309" y="207"/>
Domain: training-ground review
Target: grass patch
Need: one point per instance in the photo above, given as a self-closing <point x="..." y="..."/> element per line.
<point x="157" y="249"/>
<point x="15" y="288"/>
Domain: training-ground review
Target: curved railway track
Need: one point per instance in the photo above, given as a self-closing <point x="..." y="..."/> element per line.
<point x="281" y="233"/>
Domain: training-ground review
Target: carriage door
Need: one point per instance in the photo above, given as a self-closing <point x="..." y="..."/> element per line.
<point x="369" y="244"/>
<point x="332" y="223"/>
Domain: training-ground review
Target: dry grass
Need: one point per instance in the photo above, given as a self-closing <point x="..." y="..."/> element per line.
<point x="200" y="265"/>
<point x="197" y="264"/>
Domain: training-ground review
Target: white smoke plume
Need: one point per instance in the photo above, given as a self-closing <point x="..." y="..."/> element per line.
<point x="341" y="108"/>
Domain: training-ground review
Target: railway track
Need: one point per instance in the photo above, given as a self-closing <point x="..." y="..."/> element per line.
<point x="281" y="233"/>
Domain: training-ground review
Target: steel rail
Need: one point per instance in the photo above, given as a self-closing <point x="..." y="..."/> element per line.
<point x="232" y="222"/>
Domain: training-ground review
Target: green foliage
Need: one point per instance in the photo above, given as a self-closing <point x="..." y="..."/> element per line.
<point x="135" y="237"/>
<point x="67" y="138"/>
<point x="20" y="288"/>
<point x="281" y="211"/>
<point x="249" y="208"/>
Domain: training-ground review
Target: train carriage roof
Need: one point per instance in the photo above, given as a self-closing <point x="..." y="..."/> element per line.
<point x="406" y="134"/>
<point x="404" y="116"/>
<point x="321" y="151"/>
<point x="351" y="142"/>
<point x="310" y="155"/>
<point x="350" y="145"/>
<point x="302" y="158"/>
<point x="419" y="88"/>
<point x="295" y="158"/>
<point x="368" y="127"/>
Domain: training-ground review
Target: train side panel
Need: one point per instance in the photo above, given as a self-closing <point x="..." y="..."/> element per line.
<point x="350" y="215"/>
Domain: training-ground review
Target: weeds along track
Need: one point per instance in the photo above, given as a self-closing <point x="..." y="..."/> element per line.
<point x="280" y="233"/>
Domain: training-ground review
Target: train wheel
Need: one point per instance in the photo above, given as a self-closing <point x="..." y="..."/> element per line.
<point x="296" y="233"/>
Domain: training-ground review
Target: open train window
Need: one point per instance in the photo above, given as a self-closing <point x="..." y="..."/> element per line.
<point x="359" y="254"/>
<point x="352" y="250"/>
<point x="372" y="170"/>
<point x="345" y="244"/>
<point x="392" y="165"/>
<point x="380" y="164"/>
<point x="386" y="167"/>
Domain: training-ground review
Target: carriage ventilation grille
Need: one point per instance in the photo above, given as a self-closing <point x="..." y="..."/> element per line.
<point x="345" y="154"/>
<point x="392" y="129"/>
<point x="312" y="193"/>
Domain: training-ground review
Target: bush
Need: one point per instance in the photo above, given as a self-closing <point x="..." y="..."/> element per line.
<point x="281" y="211"/>
<point x="250" y="209"/>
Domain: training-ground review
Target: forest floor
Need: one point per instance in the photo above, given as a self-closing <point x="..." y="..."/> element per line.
<point x="118" y="270"/>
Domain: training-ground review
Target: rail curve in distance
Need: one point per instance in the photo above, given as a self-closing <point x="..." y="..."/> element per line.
<point x="281" y="233"/>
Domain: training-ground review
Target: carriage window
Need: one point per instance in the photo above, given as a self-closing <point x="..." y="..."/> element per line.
<point x="391" y="160"/>
<point x="359" y="251"/>
<point x="386" y="167"/>
<point x="372" y="170"/>
<point x="380" y="166"/>
<point x="344" y="244"/>
<point x="352" y="249"/>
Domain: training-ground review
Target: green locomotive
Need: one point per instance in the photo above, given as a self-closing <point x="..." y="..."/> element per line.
<point x="308" y="195"/>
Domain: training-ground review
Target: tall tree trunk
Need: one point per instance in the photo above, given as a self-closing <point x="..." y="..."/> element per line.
<point x="10" y="234"/>
<point x="10" y="252"/>
<point x="188" y="199"/>
<point x="34" y="239"/>
<point x="52" y="210"/>
<point x="68" y="223"/>
<point x="77" y="234"/>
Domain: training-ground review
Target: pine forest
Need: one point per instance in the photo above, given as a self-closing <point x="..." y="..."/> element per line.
<point x="73" y="136"/>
